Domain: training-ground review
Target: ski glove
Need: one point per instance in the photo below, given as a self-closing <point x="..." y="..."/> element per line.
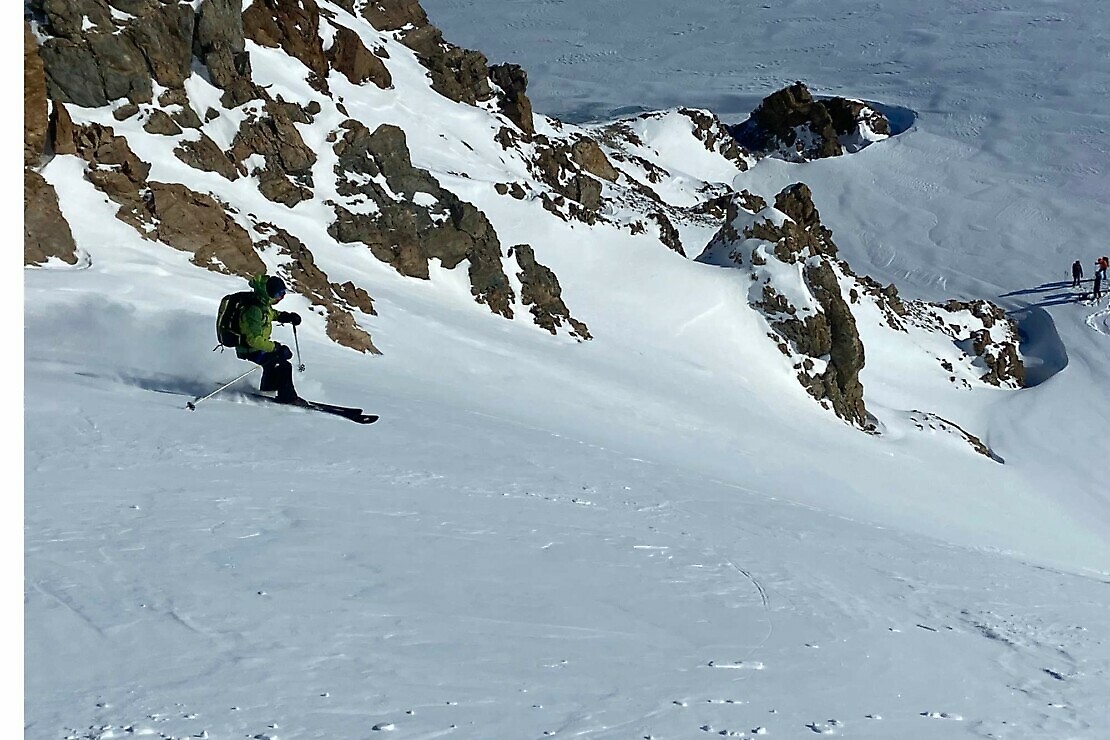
<point x="282" y="352"/>
<point x="288" y="317"/>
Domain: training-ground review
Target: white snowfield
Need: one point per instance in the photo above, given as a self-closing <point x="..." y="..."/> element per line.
<point x="653" y="534"/>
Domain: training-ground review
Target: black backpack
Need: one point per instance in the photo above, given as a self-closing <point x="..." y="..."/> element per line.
<point x="227" y="320"/>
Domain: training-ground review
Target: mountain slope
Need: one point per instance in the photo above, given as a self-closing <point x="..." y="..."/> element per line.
<point x="602" y="505"/>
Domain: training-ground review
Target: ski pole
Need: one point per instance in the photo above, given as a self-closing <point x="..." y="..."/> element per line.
<point x="300" y="365"/>
<point x="192" y="405"/>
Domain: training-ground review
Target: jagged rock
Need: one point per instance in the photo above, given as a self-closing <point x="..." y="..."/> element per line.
<point x="539" y="289"/>
<point x="846" y="355"/>
<point x="999" y="355"/>
<point x="92" y="66"/>
<point x="668" y="234"/>
<point x="287" y="175"/>
<point x="121" y="66"/>
<point x="72" y="74"/>
<point x="556" y="167"/>
<point x="169" y="212"/>
<point x="293" y="25"/>
<point x="790" y="123"/>
<point x="60" y="131"/>
<point x="350" y="57"/>
<point x="825" y="337"/>
<point x="406" y="233"/>
<point x="67" y="19"/>
<point x="459" y="74"/>
<point x="203" y="154"/>
<point x="165" y="37"/>
<point x="183" y="114"/>
<point x="587" y="154"/>
<point x="35" y="107"/>
<point x="848" y="114"/>
<point x="197" y="223"/>
<point x="160" y="123"/>
<point x="46" y="233"/>
<point x="715" y="135"/>
<point x="113" y="167"/>
<point x="388" y="15"/>
<point x="219" y="42"/>
<point x="514" y="103"/>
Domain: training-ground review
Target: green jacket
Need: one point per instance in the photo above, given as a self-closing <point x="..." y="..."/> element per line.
<point x="257" y="319"/>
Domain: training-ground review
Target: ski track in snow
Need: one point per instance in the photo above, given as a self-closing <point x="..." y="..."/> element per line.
<point x="1100" y="321"/>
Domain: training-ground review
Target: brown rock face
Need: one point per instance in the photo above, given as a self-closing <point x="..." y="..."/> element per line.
<point x="287" y="175"/>
<point x="781" y="113"/>
<point x="405" y="233"/>
<point x="34" y="100"/>
<point x="540" y="290"/>
<point x="350" y="57"/>
<point x="293" y="25"/>
<point x="587" y="154"/>
<point x="556" y="166"/>
<point x="219" y="41"/>
<point x="168" y="212"/>
<point x="114" y="59"/>
<point x="46" y="233"/>
<point x="459" y="74"/>
<point x="197" y="223"/>
<point x="514" y="103"/>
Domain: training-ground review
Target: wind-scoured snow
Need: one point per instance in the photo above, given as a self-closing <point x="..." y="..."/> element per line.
<point x="653" y="534"/>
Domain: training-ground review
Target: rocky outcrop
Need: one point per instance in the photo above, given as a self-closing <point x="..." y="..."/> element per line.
<point x="293" y="26"/>
<point x="811" y="299"/>
<point x="716" y="137"/>
<point x="220" y="42"/>
<point x="350" y="57"/>
<point x="513" y="100"/>
<point x="46" y="233"/>
<point x="93" y="58"/>
<point x="540" y="290"/>
<point x="463" y="75"/>
<point x="793" y="125"/>
<point x="286" y="177"/>
<point x="35" y="107"/>
<point x="574" y="170"/>
<point x="412" y="219"/>
<point x="167" y="212"/>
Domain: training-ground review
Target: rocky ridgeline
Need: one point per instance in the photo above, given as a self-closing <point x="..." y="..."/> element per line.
<point x="136" y="55"/>
<point x="128" y="61"/>
<point x="814" y="305"/>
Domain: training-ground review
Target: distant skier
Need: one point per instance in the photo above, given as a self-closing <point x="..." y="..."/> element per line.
<point x="1097" y="292"/>
<point x="248" y="317"/>
<point x="1101" y="265"/>
<point x="1076" y="273"/>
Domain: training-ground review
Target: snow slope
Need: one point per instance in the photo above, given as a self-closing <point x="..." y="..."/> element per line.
<point x="656" y="533"/>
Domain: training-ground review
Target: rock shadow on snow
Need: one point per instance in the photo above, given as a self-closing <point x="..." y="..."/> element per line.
<point x="1042" y="350"/>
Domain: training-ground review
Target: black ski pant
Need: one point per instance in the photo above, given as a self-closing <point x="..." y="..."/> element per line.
<point x="277" y="374"/>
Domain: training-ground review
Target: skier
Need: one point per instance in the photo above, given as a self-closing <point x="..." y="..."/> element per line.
<point x="1102" y="264"/>
<point x="255" y="323"/>
<point x="1097" y="294"/>
<point x="1076" y="273"/>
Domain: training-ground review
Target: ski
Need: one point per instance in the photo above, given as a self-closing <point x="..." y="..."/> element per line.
<point x="347" y="412"/>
